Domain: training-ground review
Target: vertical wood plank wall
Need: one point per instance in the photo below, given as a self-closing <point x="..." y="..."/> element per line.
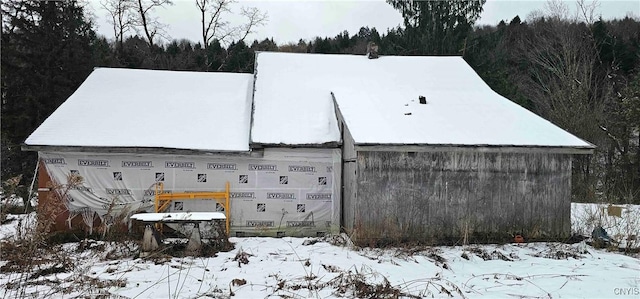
<point x="447" y="197"/>
<point x="349" y="181"/>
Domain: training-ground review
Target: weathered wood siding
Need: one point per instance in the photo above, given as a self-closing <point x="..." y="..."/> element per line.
<point x="437" y="197"/>
<point x="349" y="180"/>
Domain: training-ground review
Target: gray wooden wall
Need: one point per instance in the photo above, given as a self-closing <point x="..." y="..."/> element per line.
<point x="349" y="180"/>
<point x="450" y="197"/>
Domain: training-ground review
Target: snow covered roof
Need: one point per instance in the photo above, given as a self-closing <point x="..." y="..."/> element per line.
<point x="292" y="102"/>
<point x="379" y="100"/>
<point x="156" y="109"/>
<point x="293" y="105"/>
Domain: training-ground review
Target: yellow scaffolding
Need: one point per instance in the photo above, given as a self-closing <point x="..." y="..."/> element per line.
<point x="162" y="200"/>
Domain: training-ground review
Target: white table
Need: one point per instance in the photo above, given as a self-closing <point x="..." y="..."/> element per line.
<point x="151" y="240"/>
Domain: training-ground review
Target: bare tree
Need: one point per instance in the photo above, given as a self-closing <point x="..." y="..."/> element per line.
<point x="563" y="77"/>
<point x="215" y="26"/>
<point x="556" y="9"/>
<point x="253" y="18"/>
<point x="145" y="20"/>
<point x="587" y="10"/>
<point x="564" y="84"/>
<point x="121" y="18"/>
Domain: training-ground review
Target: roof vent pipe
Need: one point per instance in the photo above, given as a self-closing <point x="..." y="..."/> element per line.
<point x="372" y="50"/>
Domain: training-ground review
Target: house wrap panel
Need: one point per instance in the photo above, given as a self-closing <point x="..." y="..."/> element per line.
<point x="291" y="191"/>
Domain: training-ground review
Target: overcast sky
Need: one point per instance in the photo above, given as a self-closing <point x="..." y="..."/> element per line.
<point x="291" y="20"/>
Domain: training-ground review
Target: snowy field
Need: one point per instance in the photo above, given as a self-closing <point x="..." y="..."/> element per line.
<point x="330" y="268"/>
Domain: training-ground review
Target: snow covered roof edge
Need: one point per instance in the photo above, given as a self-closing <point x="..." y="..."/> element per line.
<point x="155" y="110"/>
<point x="465" y="114"/>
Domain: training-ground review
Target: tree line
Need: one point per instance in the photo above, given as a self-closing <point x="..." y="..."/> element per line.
<point x="579" y="72"/>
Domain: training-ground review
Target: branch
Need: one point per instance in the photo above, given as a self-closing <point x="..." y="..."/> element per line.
<point x="587" y="10"/>
<point x="254" y="18"/>
<point x="616" y="141"/>
<point x="150" y="26"/>
<point x="212" y="22"/>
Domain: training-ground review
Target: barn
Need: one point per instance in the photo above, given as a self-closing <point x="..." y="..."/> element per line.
<point x="389" y="149"/>
<point x="429" y="152"/>
<point x="125" y="132"/>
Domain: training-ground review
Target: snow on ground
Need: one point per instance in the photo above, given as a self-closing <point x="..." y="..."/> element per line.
<point x="316" y="268"/>
<point x="623" y="228"/>
<point x="12" y="200"/>
<point x="15" y="223"/>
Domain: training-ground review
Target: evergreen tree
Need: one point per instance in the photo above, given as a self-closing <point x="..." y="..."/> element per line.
<point x="240" y="58"/>
<point x="437" y="27"/>
<point x="46" y="53"/>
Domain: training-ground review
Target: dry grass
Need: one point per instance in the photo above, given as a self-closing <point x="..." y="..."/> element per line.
<point x="33" y="260"/>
